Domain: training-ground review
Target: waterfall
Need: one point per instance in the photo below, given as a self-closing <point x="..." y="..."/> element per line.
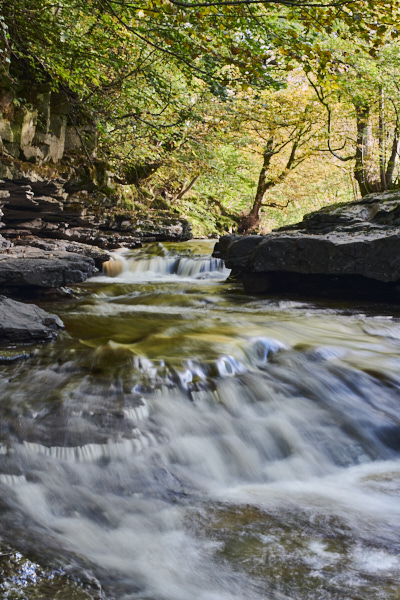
<point x="139" y="264"/>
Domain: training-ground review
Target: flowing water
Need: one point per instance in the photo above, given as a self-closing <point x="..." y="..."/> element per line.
<point x="184" y="441"/>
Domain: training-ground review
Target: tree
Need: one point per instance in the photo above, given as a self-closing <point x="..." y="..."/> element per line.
<point x="134" y="69"/>
<point x="285" y="128"/>
<point x="363" y="90"/>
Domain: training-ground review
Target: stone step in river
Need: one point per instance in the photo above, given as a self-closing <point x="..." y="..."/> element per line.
<point x="185" y="441"/>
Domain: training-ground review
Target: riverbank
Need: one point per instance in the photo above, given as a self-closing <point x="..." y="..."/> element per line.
<point x="340" y="252"/>
<point x="55" y="233"/>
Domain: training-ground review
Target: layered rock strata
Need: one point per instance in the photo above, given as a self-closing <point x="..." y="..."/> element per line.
<point x="56" y="209"/>
<point x="343" y="249"/>
<point x="24" y="271"/>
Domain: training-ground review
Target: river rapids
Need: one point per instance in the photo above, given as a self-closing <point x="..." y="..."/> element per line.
<point x="185" y="441"/>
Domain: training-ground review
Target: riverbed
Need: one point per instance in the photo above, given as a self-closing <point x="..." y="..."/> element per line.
<point x="185" y="441"/>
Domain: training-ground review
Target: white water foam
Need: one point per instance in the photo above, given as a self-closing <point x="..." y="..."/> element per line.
<point x="93" y="452"/>
<point x="126" y="270"/>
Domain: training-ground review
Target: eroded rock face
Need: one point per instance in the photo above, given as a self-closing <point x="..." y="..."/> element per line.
<point x="40" y="129"/>
<point x="26" y="323"/>
<point x="351" y="244"/>
<point x="52" y="185"/>
<point x="52" y="209"/>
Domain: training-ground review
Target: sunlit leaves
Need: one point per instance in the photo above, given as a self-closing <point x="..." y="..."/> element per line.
<point x="134" y="67"/>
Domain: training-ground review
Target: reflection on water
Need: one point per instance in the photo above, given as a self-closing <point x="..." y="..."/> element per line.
<point x="184" y="440"/>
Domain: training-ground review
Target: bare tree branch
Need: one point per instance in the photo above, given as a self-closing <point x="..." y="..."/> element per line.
<point x="298" y="3"/>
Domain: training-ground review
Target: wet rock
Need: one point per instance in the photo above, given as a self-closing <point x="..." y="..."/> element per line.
<point x="8" y="356"/>
<point x="26" y="323"/>
<point x="4" y="244"/>
<point x="25" y="266"/>
<point x="24" y="578"/>
<point x="99" y="255"/>
<point x="353" y="246"/>
<point x="161" y="227"/>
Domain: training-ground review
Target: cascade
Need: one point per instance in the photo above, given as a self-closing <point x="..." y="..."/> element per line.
<point x="156" y="261"/>
<point x="183" y="440"/>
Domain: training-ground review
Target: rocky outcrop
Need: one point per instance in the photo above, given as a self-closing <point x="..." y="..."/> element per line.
<point x="351" y="248"/>
<point x="61" y="209"/>
<point x="52" y="184"/>
<point x="36" y="124"/>
<point x="26" y="323"/>
<point x="55" y="238"/>
<point x="48" y="209"/>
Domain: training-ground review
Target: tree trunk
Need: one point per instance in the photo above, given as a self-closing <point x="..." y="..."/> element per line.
<point x="393" y="159"/>
<point x="382" y="141"/>
<point x="186" y="188"/>
<point x="367" y="182"/>
<point x="362" y="150"/>
<point x="252" y="220"/>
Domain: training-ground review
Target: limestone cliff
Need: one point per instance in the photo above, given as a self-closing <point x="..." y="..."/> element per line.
<point x="36" y="125"/>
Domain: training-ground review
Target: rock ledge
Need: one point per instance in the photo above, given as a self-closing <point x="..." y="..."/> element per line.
<point x="351" y="248"/>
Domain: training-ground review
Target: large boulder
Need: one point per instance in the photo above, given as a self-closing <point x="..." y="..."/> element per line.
<point x="26" y="323"/>
<point x="25" y="266"/>
<point x="353" y="247"/>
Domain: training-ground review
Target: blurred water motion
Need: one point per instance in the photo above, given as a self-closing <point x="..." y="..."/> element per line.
<point x="184" y="440"/>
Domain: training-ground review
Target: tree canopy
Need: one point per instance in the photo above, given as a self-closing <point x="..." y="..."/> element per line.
<point x="171" y="82"/>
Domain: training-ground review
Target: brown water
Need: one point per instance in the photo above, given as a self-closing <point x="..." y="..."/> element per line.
<point x="183" y="440"/>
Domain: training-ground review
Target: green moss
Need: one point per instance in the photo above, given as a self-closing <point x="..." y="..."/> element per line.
<point x="160" y="203"/>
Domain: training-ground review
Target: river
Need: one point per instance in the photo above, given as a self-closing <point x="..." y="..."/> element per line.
<point x="185" y="441"/>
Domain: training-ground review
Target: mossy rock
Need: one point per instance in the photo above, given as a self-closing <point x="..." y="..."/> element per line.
<point x="160" y="203"/>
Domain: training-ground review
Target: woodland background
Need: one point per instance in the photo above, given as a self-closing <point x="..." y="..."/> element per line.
<point x="240" y="115"/>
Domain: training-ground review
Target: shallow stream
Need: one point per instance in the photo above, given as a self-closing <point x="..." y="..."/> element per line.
<point x="185" y="441"/>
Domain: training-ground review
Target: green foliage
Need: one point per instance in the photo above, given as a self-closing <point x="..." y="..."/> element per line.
<point x="231" y="179"/>
<point x="316" y="184"/>
<point x="186" y="96"/>
<point x="361" y="95"/>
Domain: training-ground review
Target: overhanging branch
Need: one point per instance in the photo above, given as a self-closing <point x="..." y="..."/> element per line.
<point x="291" y="3"/>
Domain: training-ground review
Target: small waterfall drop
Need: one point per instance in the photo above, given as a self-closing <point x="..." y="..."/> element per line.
<point x="155" y="261"/>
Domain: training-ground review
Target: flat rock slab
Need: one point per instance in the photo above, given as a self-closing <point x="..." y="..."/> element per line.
<point x="373" y="254"/>
<point x="27" y="266"/>
<point x="359" y="239"/>
<point x="53" y="246"/>
<point x="26" y="323"/>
